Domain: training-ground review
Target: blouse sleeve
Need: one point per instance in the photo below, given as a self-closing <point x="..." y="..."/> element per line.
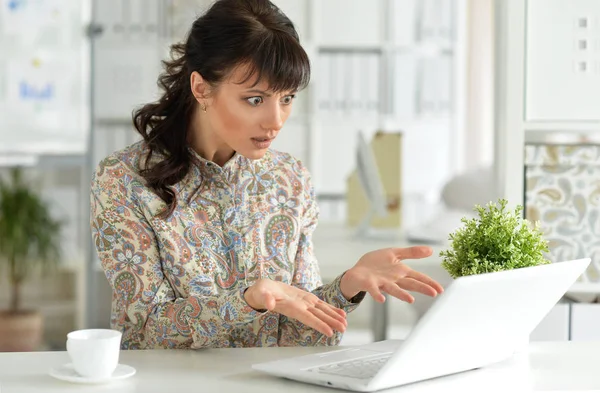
<point x="145" y="307"/>
<point x="307" y="276"/>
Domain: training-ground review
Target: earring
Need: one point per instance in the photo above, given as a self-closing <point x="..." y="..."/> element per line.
<point x="203" y="105"/>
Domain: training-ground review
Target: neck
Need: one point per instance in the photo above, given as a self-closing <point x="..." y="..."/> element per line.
<point x="205" y="142"/>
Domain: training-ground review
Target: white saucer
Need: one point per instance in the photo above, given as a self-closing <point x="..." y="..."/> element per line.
<point x="66" y="372"/>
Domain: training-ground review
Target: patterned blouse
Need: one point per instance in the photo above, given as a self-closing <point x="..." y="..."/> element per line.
<point x="178" y="282"/>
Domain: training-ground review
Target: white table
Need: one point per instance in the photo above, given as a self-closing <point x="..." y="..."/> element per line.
<point x="546" y="365"/>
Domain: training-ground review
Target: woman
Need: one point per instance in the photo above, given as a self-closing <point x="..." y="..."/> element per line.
<point x="204" y="233"/>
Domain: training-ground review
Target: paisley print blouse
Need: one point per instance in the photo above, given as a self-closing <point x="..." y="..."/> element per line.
<point x="178" y="282"/>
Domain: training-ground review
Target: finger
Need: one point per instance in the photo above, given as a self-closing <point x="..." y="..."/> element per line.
<point x="426" y="279"/>
<point x="333" y="312"/>
<point x="338" y="311"/>
<point x="330" y="321"/>
<point x="313" y="299"/>
<point x="321" y="304"/>
<point x="374" y="291"/>
<point x="397" y="292"/>
<point x="328" y="308"/>
<point x="307" y="318"/>
<point x="415" y="252"/>
<point x="410" y="284"/>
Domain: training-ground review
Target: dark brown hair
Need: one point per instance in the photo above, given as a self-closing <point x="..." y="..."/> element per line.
<point x="230" y="34"/>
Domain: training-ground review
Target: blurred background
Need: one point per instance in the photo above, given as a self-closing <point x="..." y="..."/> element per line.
<point x="416" y="111"/>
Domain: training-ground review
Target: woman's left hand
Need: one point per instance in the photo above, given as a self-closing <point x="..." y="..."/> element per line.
<point x="383" y="271"/>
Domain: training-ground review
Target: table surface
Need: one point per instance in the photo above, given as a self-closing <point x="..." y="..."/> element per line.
<point x="546" y="365"/>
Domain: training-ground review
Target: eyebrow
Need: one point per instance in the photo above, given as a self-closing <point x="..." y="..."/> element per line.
<point x="264" y="93"/>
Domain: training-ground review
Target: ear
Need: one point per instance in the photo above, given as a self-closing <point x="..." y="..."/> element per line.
<point x="200" y="88"/>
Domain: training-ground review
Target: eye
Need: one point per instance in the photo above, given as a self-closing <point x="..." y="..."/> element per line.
<point x="287" y="100"/>
<point x="255" y="101"/>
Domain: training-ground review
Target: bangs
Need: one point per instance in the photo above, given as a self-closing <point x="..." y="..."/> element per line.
<point x="280" y="61"/>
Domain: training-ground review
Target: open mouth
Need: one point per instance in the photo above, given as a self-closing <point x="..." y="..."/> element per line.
<point x="262" y="143"/>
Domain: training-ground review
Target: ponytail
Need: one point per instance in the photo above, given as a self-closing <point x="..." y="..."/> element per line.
<point x="163" y="125"/>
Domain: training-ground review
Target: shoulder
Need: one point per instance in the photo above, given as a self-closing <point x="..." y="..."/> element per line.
<point x="128" y="159"/>
<point x="118" y="183"/>
<point x="120" y="170"/>
<point x="128" y="162"/>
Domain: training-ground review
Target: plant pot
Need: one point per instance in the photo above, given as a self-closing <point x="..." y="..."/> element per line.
<point x="20" y="331"/>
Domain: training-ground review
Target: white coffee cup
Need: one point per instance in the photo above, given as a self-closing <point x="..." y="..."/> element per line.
<point x="94" y="352"/>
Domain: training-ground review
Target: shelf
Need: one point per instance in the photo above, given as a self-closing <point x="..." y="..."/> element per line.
<point x="386" y="120"/>
<point x="566" y="137"/>
<point x="426" y="49"/>
<point x="12" y="160"/>
<point x="395" y="122"/>
<point x="349" y="48"/>
<point x="45" y="161"/>
<point x="345" y="118"/>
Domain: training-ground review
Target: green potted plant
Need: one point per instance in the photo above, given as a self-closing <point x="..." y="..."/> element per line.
<point x="29" y="243"/>
<point x="499" y="239"/>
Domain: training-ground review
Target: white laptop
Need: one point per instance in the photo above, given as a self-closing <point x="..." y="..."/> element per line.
<point x="478" y="320"/>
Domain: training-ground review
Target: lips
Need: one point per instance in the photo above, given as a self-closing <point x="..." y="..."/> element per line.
<point x="263" y="139"/>
<point x="262" y="142"/>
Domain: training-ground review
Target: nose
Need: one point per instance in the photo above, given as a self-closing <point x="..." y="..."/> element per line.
<point x="273" y="118"/>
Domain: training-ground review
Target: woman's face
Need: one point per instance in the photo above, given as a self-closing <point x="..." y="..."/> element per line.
<point x="243" y="118"/>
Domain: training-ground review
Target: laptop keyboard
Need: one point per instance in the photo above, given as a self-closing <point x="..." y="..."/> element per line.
<point x="360" y="368"/>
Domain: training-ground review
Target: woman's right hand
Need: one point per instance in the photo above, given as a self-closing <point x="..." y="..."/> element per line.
<point x="296" y="303"/>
